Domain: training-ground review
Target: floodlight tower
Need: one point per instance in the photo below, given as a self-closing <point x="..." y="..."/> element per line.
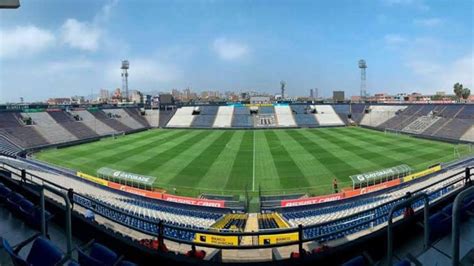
<point x="125" y="66"/>
<point x="282" y="85"/>
<point x="363" y="85"/>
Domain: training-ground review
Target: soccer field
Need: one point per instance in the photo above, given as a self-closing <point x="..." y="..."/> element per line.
<point x="232" y="161"/>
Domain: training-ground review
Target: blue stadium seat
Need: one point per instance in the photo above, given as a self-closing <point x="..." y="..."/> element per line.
<point x="356" y="261"/>
<point x="440" y="225"/>
<point x="98" y="255"/>
<point x="13" y="200"/>
<point x="42" y="253"/>
<point x="4" y="193"/>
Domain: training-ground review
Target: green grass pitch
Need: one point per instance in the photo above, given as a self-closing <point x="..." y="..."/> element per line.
<point x="232" y="161"/>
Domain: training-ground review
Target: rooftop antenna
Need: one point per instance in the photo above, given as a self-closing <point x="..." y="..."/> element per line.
<point x="282" y="85"/>
<point x="125" y="66"/>
<point x="363" y="85"/>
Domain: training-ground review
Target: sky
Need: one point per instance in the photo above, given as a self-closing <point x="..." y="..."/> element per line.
<point x="60" y="48"/>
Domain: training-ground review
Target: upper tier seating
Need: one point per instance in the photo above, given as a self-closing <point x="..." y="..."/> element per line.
<point x="303" y="116"/>
<point x="49" y="129"/>
<point x="153" y="117"/>
<point x="450" y="111"/>
<point x="266" y="110"/>
<point x="379" y="114"/>
<point x="242" y="117"/>
<point x="469" y="135"/>
<point x="455" y="128"/>
<point x="93" y="123"/>
<point x="110" y="122"/>
<point x="165" y="117"/>
<point x="10" y="119"/>
<point x="137" y="116"/>
<point x="206" y="117"/>
<point x="125" y="118"/>
<point x="78" y="129"/>
<point x="182" y="118"/>
<point x="467" y="112"/>
<point x="326" y="116"/>
<point x="421" y="124"/>
<point x="284" y="116"/>
<point x="26" y="136"/>
<point x="224" y="117"/>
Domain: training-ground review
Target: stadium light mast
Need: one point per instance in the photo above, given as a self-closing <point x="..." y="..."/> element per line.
<point x="363" y="85"/>
<point x="282" y="86"/>
<point x="125" y="66"/>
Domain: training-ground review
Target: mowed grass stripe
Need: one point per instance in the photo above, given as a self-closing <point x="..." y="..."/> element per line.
<point x="171" y="168"/>
<point x="113" y="158"/>
<point x="191" y="175"/>
<point x="151" y="164"/>
<point x="313" y="171"/>
<point x="218" y="174"/>
<point x="241" y="174"/>
<point x="133" y="153"/>
<point x="288" y="172"/>
<point x="361" y="151"/>
<point x="326" y="157"/>
<point x="266" y="174"/>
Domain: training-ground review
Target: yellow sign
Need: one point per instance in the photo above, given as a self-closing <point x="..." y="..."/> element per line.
<point x="93" y="179"/>
<point x="216" y="239"/>
<point x="278" y="238"/>
<point x="422" y="173"/>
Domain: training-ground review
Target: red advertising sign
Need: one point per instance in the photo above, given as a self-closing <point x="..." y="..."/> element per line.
<point x="361" y="191"/>
<point x="194" y="201"/>
<point x="312" y="200"/>
<point x="136" y="191"/>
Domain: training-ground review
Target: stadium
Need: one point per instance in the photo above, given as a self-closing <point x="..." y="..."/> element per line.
<point x="236" y="133"/>
<point x="256" y="183"/>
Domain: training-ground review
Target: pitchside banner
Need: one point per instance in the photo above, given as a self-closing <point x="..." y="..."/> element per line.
<point x="194" y="201"/>
<point x="124" y="177"/>
<point x="216" y="239"/>
<point x="277" y="238"/>
<point x="422" y="173"/>
<point x="312" y="200"/>
<point x="361" y="191"/>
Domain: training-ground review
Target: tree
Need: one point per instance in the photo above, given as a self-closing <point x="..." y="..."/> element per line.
<point x="458" y="90"/>
<point x="465" y="93"/>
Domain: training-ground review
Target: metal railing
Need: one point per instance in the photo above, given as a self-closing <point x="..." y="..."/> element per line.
<point x="161" y="226"/>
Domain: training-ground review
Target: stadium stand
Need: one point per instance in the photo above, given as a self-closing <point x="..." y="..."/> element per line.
<point x="284" y="116"/>
<point x="165" y="117"/>
<point x="467" y="112"/>
<point x="93" y="123"/>
<point x="25" y="136"/>
<point x="232" y="222"/>
<point x="303" y="116"/>
<point x="378" y="114"/>
<point x="469" y="135"/>
<point x="182" y="118"/>
<point x="454" y="128"/>
<point x="125" y="118"/>
<point x="78" y="129"/>
<point x="7" y="147"/>
<point x="420" y="124"/>
<point x="135" y="113"/>
<point x="49" y="129"/>
<point x="242" y="117"/>
<point x="152" y="117"/>
<point x="112" y="123"/>
<point x="224" y="117"/>
<point x="206" y="117"/>
<point x="326" y="116"/>
<point x="271" y="221"/>
<point x="357" y="112"/>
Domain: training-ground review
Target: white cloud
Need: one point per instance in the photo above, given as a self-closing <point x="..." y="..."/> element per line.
<point x="394" y="39"/>
<point x="80" y="35"/>
<point x="24" y="40"/>
<point x="428" y="22"/>
<point x="229" y="50"/>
